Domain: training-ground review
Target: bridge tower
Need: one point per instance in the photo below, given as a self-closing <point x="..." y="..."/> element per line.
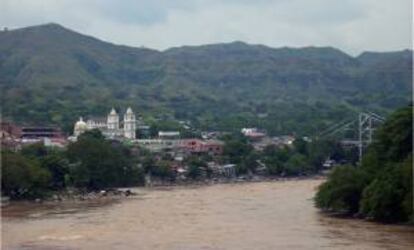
<point x="364" y="128"/>
<point x="366" y="122"/>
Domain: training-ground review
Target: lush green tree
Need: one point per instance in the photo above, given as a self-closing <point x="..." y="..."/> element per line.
<point x="236" y="149"/>
<point x="92" y="134"/>
<point x="301" y="146"/>
<point x="194" y="171"/>
<point x="22" y="177"/>
<point x="342" y="191"/>
<point x="388" y="197"/>
<point x="274" y="166"/>
<point x="250" y="161"/>
<point x="98" y="163"/>
<point x="296" y="164"/>
<point x="162" y="169"/>
<point x="51" y="159"/>
<point x="35" y="150"/>
<point x="394" y="138"/>
<point x="195" y="167"/>
<point x="275" y="159"/>
<point x="58" y="166"/>
<point x="148" y="163"/>
<point x="320" y="150"/>
<point x="283" y="154"/>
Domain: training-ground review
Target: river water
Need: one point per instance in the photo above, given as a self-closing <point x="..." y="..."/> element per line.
<point x="266" y="215"/>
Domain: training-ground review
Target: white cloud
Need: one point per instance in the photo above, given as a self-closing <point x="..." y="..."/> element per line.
<point x="351" y="25"/>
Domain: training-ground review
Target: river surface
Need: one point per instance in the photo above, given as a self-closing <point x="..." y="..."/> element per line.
<point x="266" y="215"/>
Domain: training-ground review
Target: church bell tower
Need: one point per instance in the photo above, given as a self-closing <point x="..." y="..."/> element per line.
<point x="129" y="124"/>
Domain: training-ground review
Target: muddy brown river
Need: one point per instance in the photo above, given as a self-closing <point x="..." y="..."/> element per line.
<point x="267" y="215"/>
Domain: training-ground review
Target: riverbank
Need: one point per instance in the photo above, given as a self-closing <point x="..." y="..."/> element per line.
<point x="241" y="179"/>
<point x="79" y="195"/>
<point x="75" y="195"/>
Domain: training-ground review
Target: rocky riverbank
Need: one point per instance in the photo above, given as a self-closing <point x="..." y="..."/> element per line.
<point x="77" y="195"/>
<point x="81" y="195"/>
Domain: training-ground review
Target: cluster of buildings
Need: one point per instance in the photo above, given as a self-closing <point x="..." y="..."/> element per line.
<point x="111" y="127"/>
<point x="182" y="146"/>
<point x="260" y="140"/>
<point x="166" y="143"/>
<point x="253" y="133"/>
<point x="14" y="137"/>
<point x="115" y="128"/>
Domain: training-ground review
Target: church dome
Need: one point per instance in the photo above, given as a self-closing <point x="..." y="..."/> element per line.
<point x="80" y="125"/>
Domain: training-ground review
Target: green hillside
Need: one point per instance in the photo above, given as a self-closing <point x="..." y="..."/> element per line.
<point x="49" y="74"/>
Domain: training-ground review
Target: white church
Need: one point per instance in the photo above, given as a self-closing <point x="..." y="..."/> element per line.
<point x="111" y="127"/>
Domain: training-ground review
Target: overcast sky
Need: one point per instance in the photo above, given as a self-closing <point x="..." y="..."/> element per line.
<point x="350" y="25"/>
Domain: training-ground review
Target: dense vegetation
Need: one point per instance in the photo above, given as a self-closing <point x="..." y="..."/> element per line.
<point x="49" y="74"/>
<point x="381" y="188"/>
<point x="91" y="163"/>
<point x="301" y="158"/>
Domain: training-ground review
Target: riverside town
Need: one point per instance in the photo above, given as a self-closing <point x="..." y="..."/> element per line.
<point x="206" y="125"/>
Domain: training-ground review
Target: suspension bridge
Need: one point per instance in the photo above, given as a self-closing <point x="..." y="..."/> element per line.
<point x="357" y="132"/>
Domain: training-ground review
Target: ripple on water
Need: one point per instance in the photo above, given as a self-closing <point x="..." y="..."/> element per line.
<point x="272" y="215"/>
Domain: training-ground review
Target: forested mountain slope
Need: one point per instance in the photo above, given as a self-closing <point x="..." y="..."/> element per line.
<point x="49" y="74"/>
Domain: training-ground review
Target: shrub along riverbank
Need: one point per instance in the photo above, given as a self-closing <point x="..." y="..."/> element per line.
<point x="381" y="187"/>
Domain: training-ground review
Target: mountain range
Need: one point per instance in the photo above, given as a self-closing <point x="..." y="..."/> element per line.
<point x="52" y="75"/>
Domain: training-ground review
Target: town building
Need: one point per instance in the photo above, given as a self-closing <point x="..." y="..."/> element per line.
<point x="278" y="141"/>
<point x="40" y="132"/>
<point x="169" y="134"/>
<point x="111" y="127"/>
<point x="14" y="137"/>
<point x="159" y="145"/>
<point x="10" y="136"/>
<point x="182" y="146"/>
<point x="9" y="131"/>
<point x="253" y="133"/>
<point x="214" y="147"/>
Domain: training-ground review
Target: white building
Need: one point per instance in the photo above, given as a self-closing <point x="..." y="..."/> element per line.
<point x="110" y="127"/>
<point x="80" y="127"/>
<point x="129" y="124"/>
<point x="168" y="134"/>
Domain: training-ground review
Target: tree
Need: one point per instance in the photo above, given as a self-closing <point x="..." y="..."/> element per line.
<point x="387" y="198"/>
<point x="236" y="149"/>
<point x="163" y="170"/>
<point x="35" y="150"/>
<point x="295" y="165"/>
<point x="58" y="167"/>
<point x="342" y="191"/>
<point x="394" y="138"/>
<point x="301" y="146"/>
<point x="98" y="163"/>
<point x="250" y="161"/>
<point x="50" y="159"/>
<point x="320" y="150"/>
<point x="22" y="177"/>
<point x="195" y="167"/>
